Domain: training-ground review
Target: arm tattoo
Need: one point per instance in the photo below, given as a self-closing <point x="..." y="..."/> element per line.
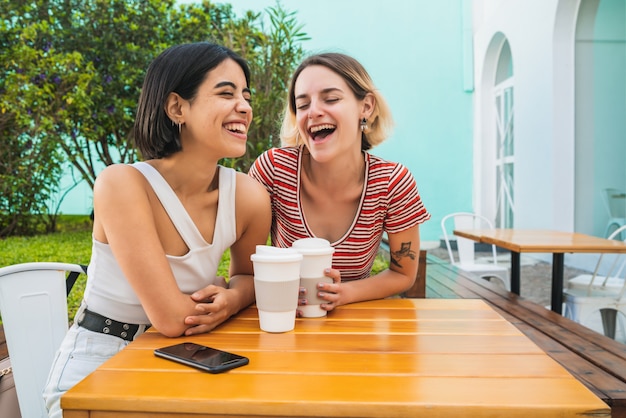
<point x="405" y="251"/>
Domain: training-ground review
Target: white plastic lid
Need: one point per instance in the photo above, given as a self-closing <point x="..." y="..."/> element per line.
<point x="267" y="253"/>
<point x="314" y="246"/>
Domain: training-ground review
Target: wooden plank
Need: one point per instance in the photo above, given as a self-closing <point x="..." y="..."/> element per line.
<point x="585" y="343"/>
<point x="572" y="334"/>
<point x="436" y="289"/>
<point x="363" y="362"/>
<point x="348" y="395"/>
<point x="597" y="361"/>
<point x="430" y="364"/>
<point x="371" y="326"/>
<point x="390" y="343"/>
<point x="607" y="387"/>
<point x="543" y="241"/>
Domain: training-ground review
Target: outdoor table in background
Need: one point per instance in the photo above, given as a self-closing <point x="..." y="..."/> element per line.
<point x="385" y="358"/>
<point x="542" y="241"/>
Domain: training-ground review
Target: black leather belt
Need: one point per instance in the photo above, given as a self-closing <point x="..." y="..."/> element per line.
<point x="98" y="323"/>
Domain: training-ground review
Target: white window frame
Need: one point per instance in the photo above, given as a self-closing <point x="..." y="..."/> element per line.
<point x="504" y="112"/>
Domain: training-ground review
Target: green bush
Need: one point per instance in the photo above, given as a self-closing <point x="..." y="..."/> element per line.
<point x="72" y="71"/>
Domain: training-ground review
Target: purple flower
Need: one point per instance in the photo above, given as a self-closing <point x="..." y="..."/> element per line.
<point x="111" y="109"/>
<point x="56" y="79"/>
<point x="108" y="79"/>
<point x="38" y="80"/>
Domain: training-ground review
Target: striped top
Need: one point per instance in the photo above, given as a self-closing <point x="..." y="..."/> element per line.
<point x="390" y="202"/>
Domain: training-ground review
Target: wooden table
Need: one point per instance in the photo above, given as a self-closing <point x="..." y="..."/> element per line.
<point x="387" y="358"/>
<point x="542" y="241"/>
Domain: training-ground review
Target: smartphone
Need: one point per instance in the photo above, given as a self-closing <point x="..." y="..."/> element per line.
<point x="202" y="357"/>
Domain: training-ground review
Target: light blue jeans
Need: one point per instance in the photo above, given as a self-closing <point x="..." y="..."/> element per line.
<point x="81" y="352"/>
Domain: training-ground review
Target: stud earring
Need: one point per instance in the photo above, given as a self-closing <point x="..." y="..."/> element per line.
<point x="363" y="124"/>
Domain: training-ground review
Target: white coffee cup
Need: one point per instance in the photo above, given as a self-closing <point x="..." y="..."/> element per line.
<point x="276" y="283"/>
<point x="317" y="256"/>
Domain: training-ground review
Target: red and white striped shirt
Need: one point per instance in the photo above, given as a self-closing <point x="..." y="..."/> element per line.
<point x="390" y="203"/>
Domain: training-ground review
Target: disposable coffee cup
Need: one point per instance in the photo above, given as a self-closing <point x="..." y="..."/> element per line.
<point x="276" y="284"/>
<point x="317" y="256"/>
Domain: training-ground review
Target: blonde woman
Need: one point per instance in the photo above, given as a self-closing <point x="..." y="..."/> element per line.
<point x="324" y="183"/>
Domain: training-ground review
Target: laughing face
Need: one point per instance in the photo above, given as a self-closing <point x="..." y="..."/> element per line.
<point x="220" y="114"/>
<point x="327" y="113"/>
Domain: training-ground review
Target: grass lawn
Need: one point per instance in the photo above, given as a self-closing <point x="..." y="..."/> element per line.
<point x="72" y="244"/>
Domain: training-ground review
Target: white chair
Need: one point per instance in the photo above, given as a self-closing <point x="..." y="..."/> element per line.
<point x="608" y="284"/>
<point x="33" y="306"/>
<point x="595" y="310"/>
<point x="596" y="300"/>
<point x="466" y="252"/>
<point x="615" y="204"/>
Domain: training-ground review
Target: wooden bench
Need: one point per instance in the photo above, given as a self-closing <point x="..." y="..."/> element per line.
<point x="597" y="361"/>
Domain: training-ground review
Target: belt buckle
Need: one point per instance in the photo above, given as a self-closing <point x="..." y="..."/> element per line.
<point x="80" y="314"/>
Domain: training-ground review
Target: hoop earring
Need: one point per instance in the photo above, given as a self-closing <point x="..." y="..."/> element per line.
<point x="363" y="124"/>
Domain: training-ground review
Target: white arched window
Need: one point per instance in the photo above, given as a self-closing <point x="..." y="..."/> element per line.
<point x="505" y="139"/>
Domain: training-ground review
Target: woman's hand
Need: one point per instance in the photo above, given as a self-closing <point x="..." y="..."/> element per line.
<point x="214" y="305"/>
<point x="330" y="292"/>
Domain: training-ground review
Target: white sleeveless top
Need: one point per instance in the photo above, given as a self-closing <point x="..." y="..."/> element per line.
<point x="108" y="292"/>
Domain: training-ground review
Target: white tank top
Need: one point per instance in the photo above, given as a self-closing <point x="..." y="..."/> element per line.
<point x="108" y="292"/>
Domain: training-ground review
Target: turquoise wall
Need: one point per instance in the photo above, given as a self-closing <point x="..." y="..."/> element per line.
<point x="609" y="83"/>
<point x="600" y="110"/>
<point x="413" y="49"/>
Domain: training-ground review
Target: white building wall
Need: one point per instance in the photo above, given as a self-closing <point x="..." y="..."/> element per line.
<point x="528" y="25"/>
<point x="541" y="34"/>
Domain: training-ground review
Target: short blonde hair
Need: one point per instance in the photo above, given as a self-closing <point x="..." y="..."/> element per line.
<point x="380" y="123"/>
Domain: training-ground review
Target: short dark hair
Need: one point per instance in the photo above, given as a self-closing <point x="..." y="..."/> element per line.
<point x="179" y="69"/>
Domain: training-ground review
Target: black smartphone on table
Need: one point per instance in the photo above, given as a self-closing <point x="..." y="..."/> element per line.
<point x="202" y="357"/>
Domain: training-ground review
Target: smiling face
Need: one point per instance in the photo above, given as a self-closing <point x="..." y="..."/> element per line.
<point x="220" y="114"/>
<point x="328" y="113"/>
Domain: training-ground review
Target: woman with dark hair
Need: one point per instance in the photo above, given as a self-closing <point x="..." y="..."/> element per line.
<point x="162" y="225"/>
<point x="324" y="183"/>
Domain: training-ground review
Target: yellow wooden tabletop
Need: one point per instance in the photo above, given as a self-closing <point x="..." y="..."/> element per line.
<point x="543" y="241"/>
<point x="386" y="358"/>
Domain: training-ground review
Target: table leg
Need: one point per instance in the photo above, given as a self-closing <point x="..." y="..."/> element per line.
<point x="515" y="272"/>
<point x="557" y="282"/>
